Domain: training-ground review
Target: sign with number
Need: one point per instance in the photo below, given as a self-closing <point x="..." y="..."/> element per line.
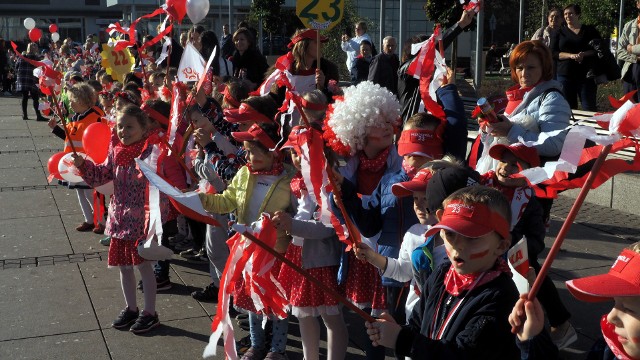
<point x="320" y="14"/>
<point x="117" y="63"/>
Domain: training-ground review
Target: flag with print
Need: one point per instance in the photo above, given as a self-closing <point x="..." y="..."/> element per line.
<point x="191" y="66"/>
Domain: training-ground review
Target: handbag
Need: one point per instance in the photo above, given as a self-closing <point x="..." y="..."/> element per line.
<point x="151" y="249"/>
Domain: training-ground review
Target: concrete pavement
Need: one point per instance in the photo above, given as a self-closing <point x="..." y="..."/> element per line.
<point x="58" y="297"/>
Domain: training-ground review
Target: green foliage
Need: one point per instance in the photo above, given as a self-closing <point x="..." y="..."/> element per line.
<point x="444" y="12"/>
<point x="270" y="13"/>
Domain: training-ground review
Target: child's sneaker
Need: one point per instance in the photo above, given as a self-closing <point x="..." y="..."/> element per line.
<point x="85" y="226"/>
<point x="563" y="335"/>
<point x="105" y="241"/>
<point x="163" y="283"/>
<point x="99" y="229"/>
<point x="254" y="354"/>
<point x="209" y="293"/>
<point x="126" y="318"/>
<point x="145" y="322"/>
<point x="194" y="256"/>
<point x="183" y="245"/>
<point x="276" y="356"/>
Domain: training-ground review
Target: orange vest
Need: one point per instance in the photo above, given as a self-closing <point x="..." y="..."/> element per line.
<point x="75" y="129"/>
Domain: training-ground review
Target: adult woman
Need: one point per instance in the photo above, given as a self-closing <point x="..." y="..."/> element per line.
<point x="576" y="59"/>
<point x="248" y="62"/>
<point x="220" y="67"/>
<point x="27" y="83"/>
<point x="307" y="76"/>
<point x="195" y="36"/>
<point x="536" y="110"/>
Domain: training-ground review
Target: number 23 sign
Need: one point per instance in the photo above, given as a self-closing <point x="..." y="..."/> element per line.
<point x="320" y="14"/>
<point x="117" y="63"/>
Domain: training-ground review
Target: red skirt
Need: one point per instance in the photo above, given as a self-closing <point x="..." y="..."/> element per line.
<point x="364" y="286"/>
<point x="123" y="253"/>
<point x="242" y="299"/>
<point x="305" y="297"/>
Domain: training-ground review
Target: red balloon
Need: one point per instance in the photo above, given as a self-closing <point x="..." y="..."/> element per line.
<point x="52" y="165"/>
<point x="53" y="28"/>
<point x="177" y="9"/>
<point x="35" y="34"/>
<point x="95" y="141"/>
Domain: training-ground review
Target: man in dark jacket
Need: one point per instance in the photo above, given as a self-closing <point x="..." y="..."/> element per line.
<point x="384" y="66"/>
<point x="226" y="42"/>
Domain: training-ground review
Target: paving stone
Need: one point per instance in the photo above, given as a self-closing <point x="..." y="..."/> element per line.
<point x="75" y="346"/>
<point x="27" y="204"/>
<point x="12" y="161"/>
<point x="44" y="301"/>
<point x="24" y="237"/>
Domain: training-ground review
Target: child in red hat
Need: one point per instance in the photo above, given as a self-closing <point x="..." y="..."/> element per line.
<point x="620" y="327"/>
<point x="464" y="307"/>
<point x="528" y="223"/>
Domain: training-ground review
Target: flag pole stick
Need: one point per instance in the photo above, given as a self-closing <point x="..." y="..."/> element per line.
<point x="63" y="120"/>
<point x="354" y="234"/>
<point x="568" y="222"/>
<point x="336" y="295"/>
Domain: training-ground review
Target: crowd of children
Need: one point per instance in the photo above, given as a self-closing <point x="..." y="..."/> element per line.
<point x="430" y="265"/>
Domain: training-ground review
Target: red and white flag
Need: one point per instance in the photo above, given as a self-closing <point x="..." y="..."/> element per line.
<point x="191" y="66"/>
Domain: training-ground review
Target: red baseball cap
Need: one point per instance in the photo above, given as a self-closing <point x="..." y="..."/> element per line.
<point x="311" y="34"/>
<point x="245" y="113"/>
<point x="519" y="150"/>
<point x="421" y="142"/>
<point x="292" y="140"/>
<point x="418" y="183"/>
<point x="471" y="220"/>
<point x="623" y="279"/>
<point x="255" y="133"/>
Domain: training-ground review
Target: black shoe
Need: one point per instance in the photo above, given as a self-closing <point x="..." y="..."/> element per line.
<point x="163" y="283"/>
<point x="126" y="318"/>
<point x="25" y="117"/>
<point x="139" y="287"/>
<point x="242" y="316"/>
<point x="144" y="323"/>
<point x="41" y="118"/>
<point x="243" y="324"/>
<point x="209" y="293"/>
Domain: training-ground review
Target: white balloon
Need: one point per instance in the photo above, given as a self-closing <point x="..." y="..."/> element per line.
<point x="55" y="36"/>
<point x="29" y="23"/>
<point x="68" y="171"/>
<point x="197" y="10"/>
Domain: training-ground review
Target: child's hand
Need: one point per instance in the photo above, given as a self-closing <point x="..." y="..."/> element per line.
<point x="502" y="127"/>
<point x="53" y="122"/>
<point x="384" y="331"/>
<point x="281" y="221"/>
<point x="78" y="161"/>
<point x="319" y="79"/>
<point x="202" y="137"/>
<point x="365" y="253"/>
<point x="527" y="318"/>
<point x="447" y="78"/>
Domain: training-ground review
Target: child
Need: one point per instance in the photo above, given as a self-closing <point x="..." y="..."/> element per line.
<point x="82" y="100"/>
<point x="360" y="70"/>
<point x="260" y="186"/>
<point x="464" y="308"/>
<point x="127" y="216"/>
<point x="528" y="222"/>
<point x="620" y="327"/>
<point x="315" y="247"/>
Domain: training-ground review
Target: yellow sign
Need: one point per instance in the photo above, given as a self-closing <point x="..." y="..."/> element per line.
<point x="117" y="63"/>
<point x="320" y="14"/>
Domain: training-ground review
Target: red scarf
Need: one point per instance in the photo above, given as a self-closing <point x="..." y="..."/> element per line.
<point x="456" y="283"/>
<point x="610" y="337"/>
<point x="123" y="155"/>
<point x="297" y="185"/>
<point x="276" y="169"/>
<point x="376" y="164"/>
<point x="515" y="94"/>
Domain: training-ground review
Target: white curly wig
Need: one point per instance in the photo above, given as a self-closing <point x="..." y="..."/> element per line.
<point x="364" y="106"/>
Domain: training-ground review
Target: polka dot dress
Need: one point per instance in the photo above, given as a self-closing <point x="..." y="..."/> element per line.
<point x="123" y="253"/>
<point x="364" y="286"/>
<point x="241" y="296"/>
<point x="305" y="297"/>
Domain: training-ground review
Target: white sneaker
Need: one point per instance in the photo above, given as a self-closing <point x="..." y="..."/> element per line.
<point x="564" y="335"/>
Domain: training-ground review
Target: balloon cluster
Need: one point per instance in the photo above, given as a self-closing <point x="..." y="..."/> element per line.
<point x="197" y="10"/>
<point x="35" y="34"/>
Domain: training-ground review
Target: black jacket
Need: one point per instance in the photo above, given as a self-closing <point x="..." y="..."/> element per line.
<point x="480" y="330"/>
<point x="254" y="63"/>
<point x="384" y="71"/>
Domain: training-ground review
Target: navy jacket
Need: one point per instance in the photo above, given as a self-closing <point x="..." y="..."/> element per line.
<point x="385" y="213"/>
<point x="480" y="329"/>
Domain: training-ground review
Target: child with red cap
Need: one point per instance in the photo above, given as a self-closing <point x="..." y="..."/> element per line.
<point x="620" y="327"/>
<point x="528" y="222"/>
<point x="260" y="186"/>
<point x="464" y="307"/>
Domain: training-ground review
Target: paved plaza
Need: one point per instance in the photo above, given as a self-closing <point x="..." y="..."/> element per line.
<point x="58" y="298"/>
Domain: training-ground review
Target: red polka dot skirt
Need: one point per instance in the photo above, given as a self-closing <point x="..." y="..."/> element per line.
<point x="123" y="253"/>
<point x="242" y="298"/>
<point x="364" y="286"/>
<point x="305" y="297"/>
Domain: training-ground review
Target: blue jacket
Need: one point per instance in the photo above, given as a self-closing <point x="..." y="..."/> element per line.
<point x="551" y="112"/>
<point x="384" y="213"/>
